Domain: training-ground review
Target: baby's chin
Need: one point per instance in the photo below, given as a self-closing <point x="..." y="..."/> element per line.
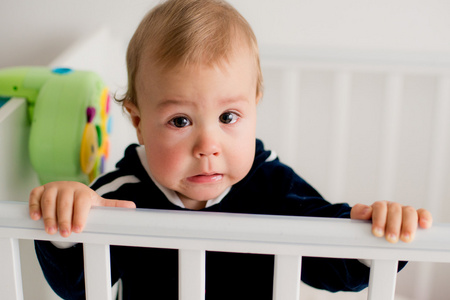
<point x="197" y="198"/>
<point x="202" y="196"/>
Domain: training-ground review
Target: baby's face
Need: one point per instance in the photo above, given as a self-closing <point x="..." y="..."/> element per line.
<point x="198" y="126"/>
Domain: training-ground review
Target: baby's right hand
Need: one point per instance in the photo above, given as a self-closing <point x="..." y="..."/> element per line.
<point x="66" y="205"/>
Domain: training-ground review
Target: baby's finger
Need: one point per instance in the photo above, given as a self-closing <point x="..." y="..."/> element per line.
<point x="393" y="222"/>
<point x="48" y="209"/>
<point x="425" y="218"/>
<point x="379" y="216"/>
<point x="82" y="206"/>
<point x="64" y="210"/>
<point x="34" y="203"/>
<point x="409" y="224"/>
<point x="116" y="203"/>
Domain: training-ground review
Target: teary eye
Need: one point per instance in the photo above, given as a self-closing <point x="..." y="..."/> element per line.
<point x="228" y="118"/>
<point x="180" y="122"/>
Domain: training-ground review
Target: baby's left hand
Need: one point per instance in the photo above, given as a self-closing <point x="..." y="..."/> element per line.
<point x="393" y="220"/>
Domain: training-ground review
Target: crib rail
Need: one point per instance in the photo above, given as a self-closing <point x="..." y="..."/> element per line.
<point x="193" y="233"/>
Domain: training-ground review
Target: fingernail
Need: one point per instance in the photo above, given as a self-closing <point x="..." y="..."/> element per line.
<point x="392" y="238"/>
<point x="50" y="229"/>
<point x="424" y="223"/>
<point x="378" y="232"/>
<point x="76" y="229"/>
<point x="407" y="237"/>
<point x="35" y="215"/>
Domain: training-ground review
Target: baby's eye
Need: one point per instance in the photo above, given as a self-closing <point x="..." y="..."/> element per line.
<point x="180" y="122"/>
<point x="228" y="118"/>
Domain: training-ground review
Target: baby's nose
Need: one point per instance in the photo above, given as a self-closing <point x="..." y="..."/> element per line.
<point x="207" y="145"/>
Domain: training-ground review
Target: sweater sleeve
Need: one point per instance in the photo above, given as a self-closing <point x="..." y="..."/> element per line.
<point x="330" y="274"/>
<point x="63" y="264"/>
<point x="63" y="269"/>
<point x="326" y="273"/>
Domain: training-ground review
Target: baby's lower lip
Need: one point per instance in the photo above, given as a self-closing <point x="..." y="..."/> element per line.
<point x="205" y="178"/>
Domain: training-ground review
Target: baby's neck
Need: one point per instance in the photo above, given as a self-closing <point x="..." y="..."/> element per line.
<point x="192" y="204"/>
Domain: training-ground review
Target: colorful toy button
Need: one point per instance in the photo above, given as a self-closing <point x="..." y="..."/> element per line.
<point x="62" y="71"/>
<point x="89" y="143"/>
<point x="95" y="141"/>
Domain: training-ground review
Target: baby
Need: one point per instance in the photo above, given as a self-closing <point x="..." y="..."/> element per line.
<point x="194" y="85"/>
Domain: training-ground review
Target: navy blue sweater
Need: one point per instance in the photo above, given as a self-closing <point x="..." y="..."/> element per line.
<point x="148" y="273"/>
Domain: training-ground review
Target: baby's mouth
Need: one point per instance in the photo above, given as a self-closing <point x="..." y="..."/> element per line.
<point x="206" y="178"/>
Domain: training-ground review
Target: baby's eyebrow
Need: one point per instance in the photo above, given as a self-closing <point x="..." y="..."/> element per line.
<point x="174" y="102"/>
<point x="179" y="102"/>
<point x="233" y="100"/>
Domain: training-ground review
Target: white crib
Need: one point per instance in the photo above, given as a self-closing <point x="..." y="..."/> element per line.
<point x="359" y="127"/>
<point x="193" y="233"/>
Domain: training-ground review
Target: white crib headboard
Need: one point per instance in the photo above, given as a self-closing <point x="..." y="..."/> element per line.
<point x="361" y="127"/>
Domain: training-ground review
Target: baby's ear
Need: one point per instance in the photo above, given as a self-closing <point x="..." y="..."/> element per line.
<point x="258" y="97"/>
<point x="135" y="117"/>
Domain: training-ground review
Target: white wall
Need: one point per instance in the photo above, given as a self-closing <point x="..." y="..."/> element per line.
<point x="32" y="32"/>
<point x="357" y="24"/>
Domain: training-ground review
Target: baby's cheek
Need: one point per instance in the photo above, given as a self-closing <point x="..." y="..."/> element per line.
<point x="241" y="162"/>
<point x="165" y="161"/>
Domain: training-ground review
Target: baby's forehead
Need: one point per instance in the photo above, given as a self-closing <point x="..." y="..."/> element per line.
<point x="223" y="81"/>
<point x="151" y="63"/>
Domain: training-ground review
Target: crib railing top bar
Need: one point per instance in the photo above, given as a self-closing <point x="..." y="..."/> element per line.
<point x="354" y="68"/>
<point x="374" y="68"/>
<point x="210" y="230"/>
<point x="262" y="247"/>
<point x="270" y="55"/>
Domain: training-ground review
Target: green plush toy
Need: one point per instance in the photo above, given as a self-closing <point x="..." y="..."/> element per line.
<point x="69" y="113"/>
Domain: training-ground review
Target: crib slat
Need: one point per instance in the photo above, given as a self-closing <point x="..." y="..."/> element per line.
<point x="390" y="136"/>
<point x="10" y="273"/>
<point x="340" y="134"/>
<point x="97" y="272"/>
<point x="286" y="278"/>
<point x="289" y="109"/>
<point x="439" y="157"/>
<point x="383" y="277"/>
<point x="191" y="274"/>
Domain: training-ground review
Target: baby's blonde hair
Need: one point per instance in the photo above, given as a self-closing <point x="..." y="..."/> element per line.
<point x="182" y="32"/>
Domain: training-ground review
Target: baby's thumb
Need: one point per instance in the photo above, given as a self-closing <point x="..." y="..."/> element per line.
<point x="361" y="212"/>
<point x="115" y="203"/>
